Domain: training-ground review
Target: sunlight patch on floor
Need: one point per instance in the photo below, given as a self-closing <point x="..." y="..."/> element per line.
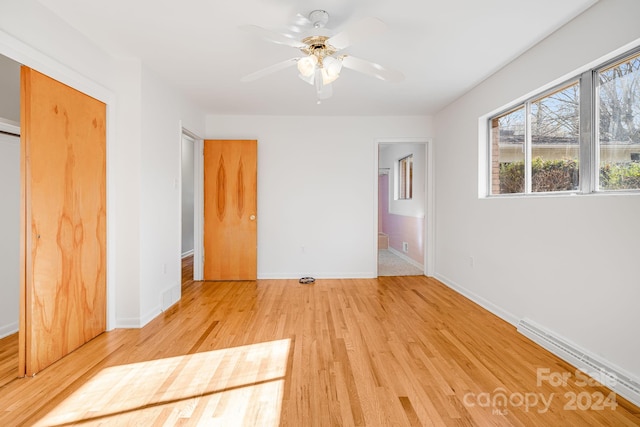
<point x="234" y="386"/>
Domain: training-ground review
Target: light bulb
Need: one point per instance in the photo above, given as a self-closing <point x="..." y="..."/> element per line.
<point x="327" y="78"/>
<point x="307" y="65"/>
<point x="331" y="68"/>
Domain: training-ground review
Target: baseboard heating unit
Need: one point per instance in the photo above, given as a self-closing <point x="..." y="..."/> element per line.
<point x="620" y="382"/>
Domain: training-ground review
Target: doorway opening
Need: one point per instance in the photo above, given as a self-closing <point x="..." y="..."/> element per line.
<point x="403" y="208"/>
<point x="9" y="217"/>
<point x="9" y="249"/>
<point x="187" y="201"/>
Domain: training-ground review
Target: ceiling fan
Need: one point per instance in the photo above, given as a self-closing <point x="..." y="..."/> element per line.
<point x="321" y="62"/>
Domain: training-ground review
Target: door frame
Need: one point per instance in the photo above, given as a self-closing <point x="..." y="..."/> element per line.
<point x="198" y="199"/>
<point x="26" y="55"/>
<point x="428" y="238"/>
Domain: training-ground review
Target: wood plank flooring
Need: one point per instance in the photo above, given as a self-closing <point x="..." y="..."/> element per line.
<point x="8" y="358"/>
<point x="402" y="351"/>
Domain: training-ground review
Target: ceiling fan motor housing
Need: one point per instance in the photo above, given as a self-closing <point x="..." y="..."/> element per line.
<point x="316" y="45"/>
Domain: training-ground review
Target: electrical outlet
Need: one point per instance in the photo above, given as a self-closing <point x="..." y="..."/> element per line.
<point x="471" y="262"/>
<point x="405" y="247"/>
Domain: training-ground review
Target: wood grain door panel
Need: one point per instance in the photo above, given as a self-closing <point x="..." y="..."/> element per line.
<point x="64" y="225"/>
<point x="230" y="210"/>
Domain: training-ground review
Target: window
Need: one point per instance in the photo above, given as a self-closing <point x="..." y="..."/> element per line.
<point x="405" y="177"/>
<point x="507" y="135"/>
<point x="555" y="148"/>
<point x="535" y="147"/>
<point x="619" y="125"/>
<point x="553" y="142"/>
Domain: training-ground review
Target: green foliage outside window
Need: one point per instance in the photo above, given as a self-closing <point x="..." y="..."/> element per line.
<point x="562" y="175"/>
<point x="624" y="176"/>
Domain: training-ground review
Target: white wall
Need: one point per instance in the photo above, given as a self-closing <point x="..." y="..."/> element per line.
<point x="316" y="189"/>
<point x="9" y="89"/>
<point x="33" y="36"/>
<point x="389" y="156"/>
<point x="160" y="202"/>
<point x="9" y="233"/>
<point x="143" y="152"/>
<point x="567" y="263"/>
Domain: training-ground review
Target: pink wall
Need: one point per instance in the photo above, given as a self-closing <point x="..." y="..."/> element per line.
<point x="399" y="228"/>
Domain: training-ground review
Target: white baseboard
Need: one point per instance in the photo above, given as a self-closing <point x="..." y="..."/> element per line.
<point x="171" y="296"/>
<point x="138" y="322"/>
<point x="288" y="276"/>
<point x="406" y="258"/>
<point x="151" y="314"/>
<point x="128" y="323"/>
<point x="603" y="371"/>
<point x="9" y="329"/>
<point x="186" y="254"/>
<point x="486" y="304"/>
<point x="620" y="381"/>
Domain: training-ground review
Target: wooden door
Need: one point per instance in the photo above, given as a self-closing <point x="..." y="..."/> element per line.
<point x="63" y="261"/>
<point x="230" y="210"/>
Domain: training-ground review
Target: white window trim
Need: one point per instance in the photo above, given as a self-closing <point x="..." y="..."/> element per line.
<point x="589" y="153"/>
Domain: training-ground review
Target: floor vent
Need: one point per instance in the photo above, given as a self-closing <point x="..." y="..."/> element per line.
<point x="621" y="383"/>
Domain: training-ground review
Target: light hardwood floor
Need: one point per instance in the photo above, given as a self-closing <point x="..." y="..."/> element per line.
<point x="404" y="351"/>
<point x="8" y="358"/>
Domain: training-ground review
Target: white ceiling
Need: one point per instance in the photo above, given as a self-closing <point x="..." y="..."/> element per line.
<point x="443" y="47"/>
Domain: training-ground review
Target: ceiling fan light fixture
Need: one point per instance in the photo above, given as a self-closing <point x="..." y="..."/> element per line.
<point x="332" y="67"/>
<point x="317" y="80"/>
<point x="328" y="78"/>
<point x="323" y="90"/>
<point x="308" y="79"/>
<point x="321" y="63"/>
<point x="307" y="65"/>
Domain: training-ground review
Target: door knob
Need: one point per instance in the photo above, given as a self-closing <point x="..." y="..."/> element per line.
<point x="252" y="217"/>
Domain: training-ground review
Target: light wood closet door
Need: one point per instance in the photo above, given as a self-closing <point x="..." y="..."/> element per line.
<point x="63" y="294"/>
<point x="230" y="210"/>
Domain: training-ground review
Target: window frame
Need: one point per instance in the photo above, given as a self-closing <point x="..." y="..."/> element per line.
<point x="619" y="59"/>
<point x="526" y="105"/>
<point x="588" y="136"/>
<point x="405" y="178"/>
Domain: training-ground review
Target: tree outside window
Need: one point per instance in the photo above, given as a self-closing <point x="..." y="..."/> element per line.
<point x="537" y="145"/>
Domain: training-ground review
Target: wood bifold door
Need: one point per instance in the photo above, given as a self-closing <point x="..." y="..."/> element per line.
<point x="63" y="220"/>
<point x="230" y="204"/>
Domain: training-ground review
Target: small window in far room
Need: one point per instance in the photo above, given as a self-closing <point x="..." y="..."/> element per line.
<point x="405" y="178"/>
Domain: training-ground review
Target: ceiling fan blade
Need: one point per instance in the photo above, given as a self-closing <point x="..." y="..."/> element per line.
<point x="271" y="69"/>
<point x="373" y="69"/>
<point x="272" y="36"/>
<point x="356" y="32"/>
